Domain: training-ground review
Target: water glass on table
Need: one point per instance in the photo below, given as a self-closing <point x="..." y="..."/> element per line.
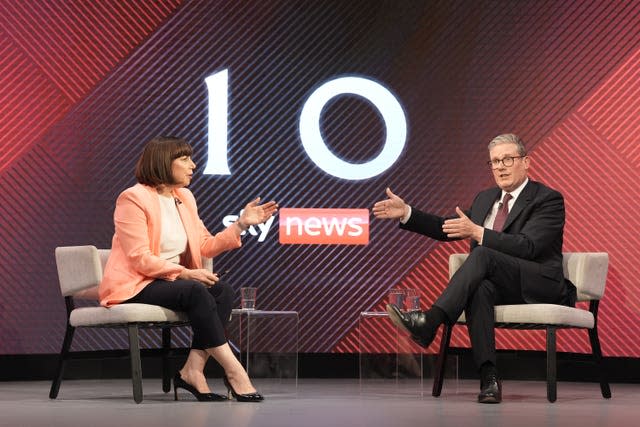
<point x="412" y="299"/>
<point x="396" y="297"/>
<point x="248" y="298"/>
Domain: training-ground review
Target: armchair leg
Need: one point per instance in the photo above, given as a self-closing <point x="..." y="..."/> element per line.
<point x="438" y="378"/>
<point x="136" y="366"/>
<point x="551" y="365"/>
<point x="64" y="352"/>
<point x="166" y="365"/>
<point x="597" y="358"/>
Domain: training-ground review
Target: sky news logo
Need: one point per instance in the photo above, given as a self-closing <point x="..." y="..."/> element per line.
<point x="323" y="226"/>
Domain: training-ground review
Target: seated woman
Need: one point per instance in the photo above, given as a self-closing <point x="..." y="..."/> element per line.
<point x="156" y="259"/>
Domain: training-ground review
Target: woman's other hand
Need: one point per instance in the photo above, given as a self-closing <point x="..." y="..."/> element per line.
<point x="202" y="275"/>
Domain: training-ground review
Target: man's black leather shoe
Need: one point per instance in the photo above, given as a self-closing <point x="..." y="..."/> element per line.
<point x="491" y="390"/>
<point x="417" y="323"/>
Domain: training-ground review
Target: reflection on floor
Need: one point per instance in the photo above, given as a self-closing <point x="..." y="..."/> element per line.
<point x="314" y="402"/>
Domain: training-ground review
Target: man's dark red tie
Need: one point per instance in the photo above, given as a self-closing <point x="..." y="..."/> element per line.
<point x="503" y="211"/>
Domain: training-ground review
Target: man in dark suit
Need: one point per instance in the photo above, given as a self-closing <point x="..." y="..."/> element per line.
<point x="515" y="230"/>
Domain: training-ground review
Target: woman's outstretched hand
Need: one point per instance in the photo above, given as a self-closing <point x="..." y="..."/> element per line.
<point x="254" y="213"/>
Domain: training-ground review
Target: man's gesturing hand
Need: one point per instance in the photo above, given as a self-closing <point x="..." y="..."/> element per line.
<point x="392" y="208"/>
<point x="462" y="227"/>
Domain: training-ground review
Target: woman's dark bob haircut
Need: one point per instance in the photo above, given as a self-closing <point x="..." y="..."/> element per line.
<point x="154" y="165"/>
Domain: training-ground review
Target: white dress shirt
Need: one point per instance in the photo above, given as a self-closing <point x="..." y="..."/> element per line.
<point x="173" y="237"/>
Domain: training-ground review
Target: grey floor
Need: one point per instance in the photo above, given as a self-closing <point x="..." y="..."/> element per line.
<point x="325" y="403"/>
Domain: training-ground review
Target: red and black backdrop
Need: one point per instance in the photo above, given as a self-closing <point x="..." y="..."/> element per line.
<point x="83" y="85"/>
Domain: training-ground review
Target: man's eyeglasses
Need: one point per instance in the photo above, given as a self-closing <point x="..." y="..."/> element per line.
<point x="506" y="162"/>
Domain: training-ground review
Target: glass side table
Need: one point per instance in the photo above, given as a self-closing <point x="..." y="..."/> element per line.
<point x="387" y="353"/>
<point x="267" y="342"/>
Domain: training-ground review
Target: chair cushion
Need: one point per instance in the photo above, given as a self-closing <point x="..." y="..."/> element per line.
<point x="541" y="314"/>
<point x="124" y="313"/>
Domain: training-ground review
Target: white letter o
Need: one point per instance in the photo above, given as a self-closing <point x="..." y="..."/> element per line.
<point x="389" y="108"/>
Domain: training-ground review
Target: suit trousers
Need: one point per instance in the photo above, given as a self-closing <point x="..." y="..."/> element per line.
<point x="208" y="308"/>
<point x="487" y="278"/>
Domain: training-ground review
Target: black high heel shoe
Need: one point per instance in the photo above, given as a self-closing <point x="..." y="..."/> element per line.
<point x="178" y="382"/>
<point x="247" y="397"/>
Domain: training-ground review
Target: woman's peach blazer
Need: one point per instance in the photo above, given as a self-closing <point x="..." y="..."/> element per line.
<point x="134" y="260"/>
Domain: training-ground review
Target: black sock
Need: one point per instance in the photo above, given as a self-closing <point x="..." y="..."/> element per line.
<point x="487" y="369"/>
<point x="437" y="315"/>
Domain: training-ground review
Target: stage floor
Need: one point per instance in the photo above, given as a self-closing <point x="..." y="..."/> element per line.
<point x="318" y="402"/>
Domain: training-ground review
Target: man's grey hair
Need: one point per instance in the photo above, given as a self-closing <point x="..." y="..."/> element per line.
<point x="509" y="138"/>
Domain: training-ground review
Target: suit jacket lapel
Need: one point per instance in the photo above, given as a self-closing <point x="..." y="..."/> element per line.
<point x="484" y="206"/>
<point x="528" y="192"/>
<point x="155" y="221"/>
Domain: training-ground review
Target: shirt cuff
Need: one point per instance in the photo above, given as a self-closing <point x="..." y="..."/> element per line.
<point x="405" y="218"/>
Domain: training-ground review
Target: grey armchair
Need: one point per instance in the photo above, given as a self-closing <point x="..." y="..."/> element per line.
<point x="79" y="273"/>
<point x="588" y="272"/>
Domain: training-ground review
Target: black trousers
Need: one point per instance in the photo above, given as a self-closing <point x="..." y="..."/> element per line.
<point x="208" y="308"/>
<point x="487" y="278"/>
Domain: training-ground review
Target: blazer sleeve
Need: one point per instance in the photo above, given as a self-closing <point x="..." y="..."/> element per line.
<point x="210" y="245"/>
<point x="426" y="224"/>
<point x="213" y="245"/>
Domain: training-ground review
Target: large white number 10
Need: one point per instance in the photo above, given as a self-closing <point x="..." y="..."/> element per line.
<point x="312" y="141"/>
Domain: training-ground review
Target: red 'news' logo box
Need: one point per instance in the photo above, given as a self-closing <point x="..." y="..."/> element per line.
<point x="323" y="226"/>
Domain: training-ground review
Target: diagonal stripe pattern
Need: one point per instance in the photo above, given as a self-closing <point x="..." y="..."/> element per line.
<point x="102" y="78"/>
